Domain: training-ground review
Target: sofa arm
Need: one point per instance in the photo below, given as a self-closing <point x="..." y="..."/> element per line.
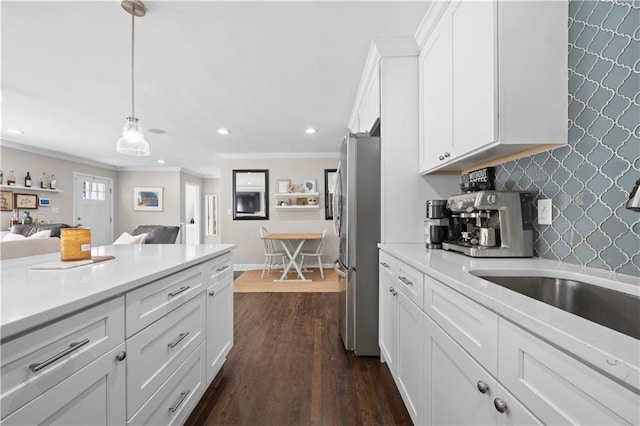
<point x="26" y="247"/>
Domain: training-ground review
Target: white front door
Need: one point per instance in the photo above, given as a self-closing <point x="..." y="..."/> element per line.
<point x="192" y="214"/>
<point x="93" y="207"/>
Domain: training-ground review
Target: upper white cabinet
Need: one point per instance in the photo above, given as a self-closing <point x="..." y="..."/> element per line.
<point x="492" y="81"/>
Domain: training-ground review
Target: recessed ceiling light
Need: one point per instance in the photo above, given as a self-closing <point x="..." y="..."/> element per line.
<point x="161" y="161"/>
<point x="15" y="131"/>
<point x="224" y="131"/>
<point x="310" y="131"/>
<point x="157" y="131"/>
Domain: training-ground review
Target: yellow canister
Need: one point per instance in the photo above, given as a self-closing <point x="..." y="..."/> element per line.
<point x="75" y="244"/>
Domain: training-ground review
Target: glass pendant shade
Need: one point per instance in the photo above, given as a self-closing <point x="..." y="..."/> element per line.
<point x="132" y="141"/>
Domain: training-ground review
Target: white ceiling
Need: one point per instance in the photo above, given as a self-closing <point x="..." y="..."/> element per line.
<point x="264" y="70"/>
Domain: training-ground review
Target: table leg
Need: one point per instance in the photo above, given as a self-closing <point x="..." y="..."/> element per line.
<point x="292" y="262"/>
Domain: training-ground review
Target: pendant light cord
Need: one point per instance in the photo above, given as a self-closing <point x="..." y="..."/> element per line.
<point x="133" y="29"/>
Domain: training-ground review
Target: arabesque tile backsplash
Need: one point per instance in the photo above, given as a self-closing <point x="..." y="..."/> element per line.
<point x="589" y="180"/>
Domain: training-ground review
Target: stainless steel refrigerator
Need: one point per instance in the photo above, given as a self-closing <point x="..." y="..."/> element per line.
<point x="357" y="222"/>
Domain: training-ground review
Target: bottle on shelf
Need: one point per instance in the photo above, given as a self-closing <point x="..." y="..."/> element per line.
<point x="43" y="181"/>
<point x="27" y="180"/>
<point x="1" y="178"/>
<point x="27" y="219"/>
<point x="14" y="218"/>
<point x="53" y="182"/>
<point x="11" y="180"/>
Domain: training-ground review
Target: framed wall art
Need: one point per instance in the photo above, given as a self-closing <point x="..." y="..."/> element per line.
<point x="26" y="201"/>
<point x="6" y="201"/>
<point x="147" y="199"/>
<point x="283" y="185"/>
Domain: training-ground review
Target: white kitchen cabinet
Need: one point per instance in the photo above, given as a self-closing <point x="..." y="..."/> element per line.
<point x="219" y="324"/>
<point x="388" y="316"/>
<point x="410" y="354"/>
<point x="502" y="67"/>
<point x="559" y="388"/>
<point x="95" y="395"/>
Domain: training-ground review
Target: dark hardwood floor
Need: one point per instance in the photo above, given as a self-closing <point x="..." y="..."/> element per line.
<point x="288" y="367"/>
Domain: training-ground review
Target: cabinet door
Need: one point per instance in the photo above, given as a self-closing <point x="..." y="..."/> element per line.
<point x="219" y="324"/>
<point x="474" y="29"/>
<point x="515" y="413"/>
<point x="558" y="388"/>
<point x="388" y="322"/>
<point x="95" y="395"/>
<point x="436" y="96"/>
<point x="452" y="382"/>
<point x="410" y="361"/>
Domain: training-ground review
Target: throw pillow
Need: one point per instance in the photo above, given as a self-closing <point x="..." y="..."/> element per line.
<point x="127" y="238"/>
<point x="14" y="237"/>
<point x="41" y="234"/>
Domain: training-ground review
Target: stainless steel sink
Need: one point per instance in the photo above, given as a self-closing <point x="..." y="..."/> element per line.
<point x="613" y="309"/>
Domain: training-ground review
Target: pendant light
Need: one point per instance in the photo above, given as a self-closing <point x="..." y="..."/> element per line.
<point x="132" y="141"/>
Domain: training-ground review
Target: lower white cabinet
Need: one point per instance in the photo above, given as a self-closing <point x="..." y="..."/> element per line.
<point x="219" y="324"/>
<point x="95" y="395"/>
<point x="409" y="376"/>
<point x="388" y="322"/>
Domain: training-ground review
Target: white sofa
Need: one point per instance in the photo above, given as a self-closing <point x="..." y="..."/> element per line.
<point x="28" y="247"/>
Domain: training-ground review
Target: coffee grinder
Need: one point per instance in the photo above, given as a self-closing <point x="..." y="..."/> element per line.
<point x="436" y="224"/>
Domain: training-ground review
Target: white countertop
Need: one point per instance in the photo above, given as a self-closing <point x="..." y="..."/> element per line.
<point x="32" y="297"/>
<point x="614" y="353"/>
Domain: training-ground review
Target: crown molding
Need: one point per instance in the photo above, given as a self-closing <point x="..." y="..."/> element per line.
<point x="150" y="169"/>
<point x="431" y="18"/>
<point x="56" y="154"/>
<point x="275" y="155"/>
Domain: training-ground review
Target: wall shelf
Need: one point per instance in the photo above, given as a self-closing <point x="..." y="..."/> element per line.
<point x="28" y="188"/>
<point x="299" y="207"/>
<point x="297" y="194"/>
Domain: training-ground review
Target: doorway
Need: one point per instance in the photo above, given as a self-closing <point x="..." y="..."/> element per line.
<point x="93" y="206"/>
<point x="192" y="213"/>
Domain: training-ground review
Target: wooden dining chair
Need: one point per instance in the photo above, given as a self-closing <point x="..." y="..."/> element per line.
<point x="271" y="253"/>
<point x="317" y="254"/>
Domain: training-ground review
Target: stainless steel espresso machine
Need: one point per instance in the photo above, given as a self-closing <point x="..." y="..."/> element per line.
<point x="491" y="224"/>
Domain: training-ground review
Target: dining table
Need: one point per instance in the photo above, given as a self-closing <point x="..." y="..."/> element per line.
<point x="287" y="240"/>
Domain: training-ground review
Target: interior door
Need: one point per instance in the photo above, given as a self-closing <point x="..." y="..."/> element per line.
<point x="93" y="207"/>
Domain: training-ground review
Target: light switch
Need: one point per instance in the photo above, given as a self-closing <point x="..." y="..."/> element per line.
<point x="55" y="210"/>
<point x="545" y="212"/>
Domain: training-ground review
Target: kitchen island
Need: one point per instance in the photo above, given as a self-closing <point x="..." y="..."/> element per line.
<point x="450" y="336"/>
<point x="114" y="342"/>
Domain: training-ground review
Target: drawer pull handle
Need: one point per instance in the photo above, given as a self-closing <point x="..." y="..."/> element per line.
<point x="73" y="346"/>
<point x="180" y="290"/>
<point x="500" y="405"/>
<point x="482" y="386"/>
<point x="223" y="268"/>
<point x="178" y="340"/>
<point x="447" y="155"/>
<point x="121" y="356"/>
<point x="405" y="280"/>
<point x="212" y="293"/>
<point x="384" y="264"/>
<point x="179" y="402"/>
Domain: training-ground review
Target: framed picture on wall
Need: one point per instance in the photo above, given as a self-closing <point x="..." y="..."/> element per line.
<point x="310" y="185"/>
<point x="6" y="201"/>
<point x="26" y="201"/>
<point x="283" y="185"/>
<point x="147" y="199"/>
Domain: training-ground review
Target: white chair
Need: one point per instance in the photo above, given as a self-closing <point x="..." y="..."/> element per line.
<point x="317" y="254"/>
<point x="271" y="254"/>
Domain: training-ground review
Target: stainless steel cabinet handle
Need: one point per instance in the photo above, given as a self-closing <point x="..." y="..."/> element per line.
<point x="441" y="158"/>
<point x="212" y="293"/>
<point x="447" y="155"/>
<point x="384" y="264"/>
<point x="405" y="280"/>
<point x="482" y="386"/>
<point x="179" y="402"/>
<point x="394" y="292"/>
<point x="180" y="290"/>
<point x="121" y="356"/>
<point x="73" y="346"/>
<point x="500" y="405"/>
<point x="178" y="340"/>
<point x="222" y="269"/>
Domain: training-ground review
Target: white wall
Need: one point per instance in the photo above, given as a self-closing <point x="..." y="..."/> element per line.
<point x="22" y="161"/>
<point x="245" y="233"/>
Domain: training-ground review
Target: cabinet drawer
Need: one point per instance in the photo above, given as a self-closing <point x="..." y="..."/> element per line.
<point x="177" y="397"/>
<point x="218" y="268"/>
<point x="158" y="350"/>
<point x="92" y="396"/>
<point x="471" y="325"/>
<point x="410" y="282"/>
<point x="388" y="265"/>
<point x="57" y="351"/>
<point x="154" y="300"/>
<point x="558" y="388"/>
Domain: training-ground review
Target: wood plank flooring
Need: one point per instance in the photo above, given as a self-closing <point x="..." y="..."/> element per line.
<point x="288" y="367"/>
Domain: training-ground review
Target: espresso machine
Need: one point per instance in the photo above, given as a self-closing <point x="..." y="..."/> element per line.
<point x="491" y="224"/>
<point x="436" y="224"/>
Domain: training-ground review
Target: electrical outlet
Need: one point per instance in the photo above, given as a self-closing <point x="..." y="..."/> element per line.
<point x="545" y="212"/>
